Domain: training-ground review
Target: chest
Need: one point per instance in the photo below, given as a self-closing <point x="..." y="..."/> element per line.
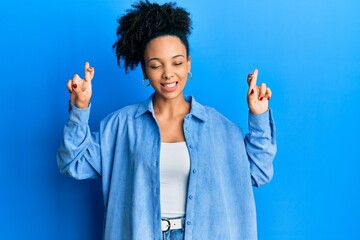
<point x="171" y="129"/>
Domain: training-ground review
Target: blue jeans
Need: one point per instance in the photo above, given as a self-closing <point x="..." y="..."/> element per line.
<point x="176" y="234"/>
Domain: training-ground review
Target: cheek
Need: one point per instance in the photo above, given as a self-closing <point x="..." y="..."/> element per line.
<point x="152" y="76"/>
<point x="184" y="73"/>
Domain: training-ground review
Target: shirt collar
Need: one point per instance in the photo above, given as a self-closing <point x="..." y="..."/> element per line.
<point x="196" y="110"/>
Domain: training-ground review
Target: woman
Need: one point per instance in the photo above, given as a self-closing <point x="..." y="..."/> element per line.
<point x="171" y="168"/>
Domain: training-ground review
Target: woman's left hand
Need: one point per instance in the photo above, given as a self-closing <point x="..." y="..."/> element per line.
<point x="258" y="96"/>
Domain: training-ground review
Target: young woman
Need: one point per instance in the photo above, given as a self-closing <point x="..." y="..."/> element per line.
<point x="171" y="168"/>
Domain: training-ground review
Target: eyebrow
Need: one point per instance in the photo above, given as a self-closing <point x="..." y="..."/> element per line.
<point x="176" y="56"/>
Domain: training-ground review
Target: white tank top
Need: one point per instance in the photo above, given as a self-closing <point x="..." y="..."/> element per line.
<point x="174" y="174"/>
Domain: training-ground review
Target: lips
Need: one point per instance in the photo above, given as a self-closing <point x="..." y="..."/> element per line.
<point x="169" y="87"/>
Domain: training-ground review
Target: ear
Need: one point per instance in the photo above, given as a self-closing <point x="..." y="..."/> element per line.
<point x="189" y="63"/>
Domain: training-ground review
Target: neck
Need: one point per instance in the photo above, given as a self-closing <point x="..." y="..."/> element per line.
<point x="171" y="107"/>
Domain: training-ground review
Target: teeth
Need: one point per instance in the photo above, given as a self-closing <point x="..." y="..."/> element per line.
<point x="169" y="85"/>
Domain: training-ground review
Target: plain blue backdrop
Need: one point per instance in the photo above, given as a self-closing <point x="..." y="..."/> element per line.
<point x="308" y="52"/>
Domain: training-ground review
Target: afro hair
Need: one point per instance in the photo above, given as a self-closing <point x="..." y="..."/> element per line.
<point x="144" y="22"/>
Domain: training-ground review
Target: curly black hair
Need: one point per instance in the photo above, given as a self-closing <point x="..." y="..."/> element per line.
<point x="144" y="22"/>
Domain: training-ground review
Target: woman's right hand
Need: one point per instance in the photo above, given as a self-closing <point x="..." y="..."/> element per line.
<point x="80" y="89"/>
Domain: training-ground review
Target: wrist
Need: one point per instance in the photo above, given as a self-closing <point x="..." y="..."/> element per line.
<point x="79" y="104"/>
<point x="258" y="112"/>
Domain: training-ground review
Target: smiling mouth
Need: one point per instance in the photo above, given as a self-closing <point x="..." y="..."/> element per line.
<point x="169" y="85"/>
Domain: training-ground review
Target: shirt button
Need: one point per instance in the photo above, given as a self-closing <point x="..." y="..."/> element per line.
<point x="187" y="129"/>
<point x="188" y="223"/>
<point x="194" y="170"/>
<point x="191" y="197"/>
<point x="191" y="146"/>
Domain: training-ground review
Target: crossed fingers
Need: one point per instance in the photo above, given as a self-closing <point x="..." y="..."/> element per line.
<point x="260" y="92"/>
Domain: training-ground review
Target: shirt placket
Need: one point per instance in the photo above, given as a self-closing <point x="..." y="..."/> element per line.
<point x="156" y="179"/>
<point x="191" y="193"/>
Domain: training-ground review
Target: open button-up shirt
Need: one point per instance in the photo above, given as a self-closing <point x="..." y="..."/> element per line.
<point x="125" y="153"/>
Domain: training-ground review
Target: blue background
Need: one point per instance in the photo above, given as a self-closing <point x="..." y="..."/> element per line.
<point x="308" y="52"/>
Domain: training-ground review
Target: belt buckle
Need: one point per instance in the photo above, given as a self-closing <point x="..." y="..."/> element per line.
<point x="169" y="224"/>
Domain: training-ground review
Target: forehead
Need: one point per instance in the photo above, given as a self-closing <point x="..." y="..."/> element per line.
<point x="164" y="47"/>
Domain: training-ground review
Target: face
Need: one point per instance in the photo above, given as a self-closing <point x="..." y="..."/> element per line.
<point x="167" y="66"/>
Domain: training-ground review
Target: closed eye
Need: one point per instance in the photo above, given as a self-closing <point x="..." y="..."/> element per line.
<point x="155" y="67"/>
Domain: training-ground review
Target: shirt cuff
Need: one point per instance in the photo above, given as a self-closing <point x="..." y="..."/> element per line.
<point x="260" y="121"/>
<point x="79" y="115"/>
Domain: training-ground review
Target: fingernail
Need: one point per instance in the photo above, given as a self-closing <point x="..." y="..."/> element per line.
<point x="261" y="98"/>
<point x="74" y="85"/>
<point x="90" y="68"/>
<point x="252" y="92"/>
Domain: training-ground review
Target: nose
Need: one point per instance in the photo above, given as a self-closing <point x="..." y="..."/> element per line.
<point x="168" y="73"/>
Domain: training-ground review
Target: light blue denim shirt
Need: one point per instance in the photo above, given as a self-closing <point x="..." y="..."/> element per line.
<point x="125" y="153"/>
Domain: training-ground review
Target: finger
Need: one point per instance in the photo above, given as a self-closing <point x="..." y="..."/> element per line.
<point x="70" y="89"/>
<point x="253" y="92"/>
<point x="252" y="79"/>
<point x="88" y="72"/>
<point x="68" y="86"/>
<point x="268" y="94"/>
<point x="249" y="77"/>
<point x="86" y="66"/>
<point x="75" y="83"/>
<point x="262" y="91"/>
<point x="92" y="73"/>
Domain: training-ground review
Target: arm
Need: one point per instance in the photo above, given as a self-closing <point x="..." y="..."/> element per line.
<point x="260" y="142"/>
<point x="79" y="153"/>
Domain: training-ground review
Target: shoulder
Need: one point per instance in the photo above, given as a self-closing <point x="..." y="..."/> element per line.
<point x="129" y="110"/>
<point x="216" y="118"/>
<point x="214" y="115"/>
<point x="122" y="114"/>
<point x="223" y="120"/>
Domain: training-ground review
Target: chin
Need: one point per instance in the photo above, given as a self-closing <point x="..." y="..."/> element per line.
<point x="169" y="95"/>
